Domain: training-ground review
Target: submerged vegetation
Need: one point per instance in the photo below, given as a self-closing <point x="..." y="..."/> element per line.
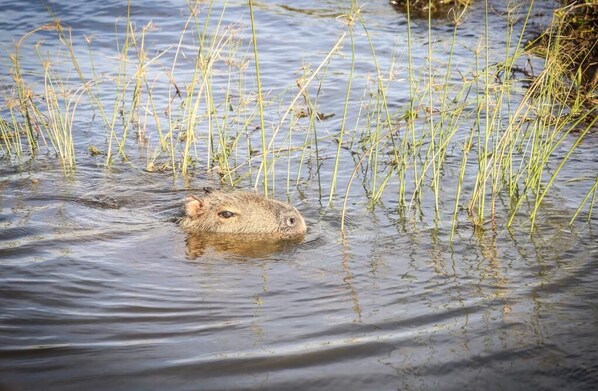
<point x="200" y="105"/>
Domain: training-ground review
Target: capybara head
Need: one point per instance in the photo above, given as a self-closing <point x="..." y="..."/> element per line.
<point x="241" y="213"/>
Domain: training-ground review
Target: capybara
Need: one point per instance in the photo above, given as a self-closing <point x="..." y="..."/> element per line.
<point x="241" y="213"/>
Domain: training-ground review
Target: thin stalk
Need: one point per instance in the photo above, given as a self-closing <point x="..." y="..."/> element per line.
<point x="410" y="115"/>
<point x="432" y="146"/>
<point x="119" y="99"/>
<point x="381" y="96"/>
<point x="305" y="85"/>
<point x="591" y="193"/>
<point x="260" y="100"/>
<point x="487" y="128"/>
<point x="547" y="186"/>
<point x="344" y="119"/>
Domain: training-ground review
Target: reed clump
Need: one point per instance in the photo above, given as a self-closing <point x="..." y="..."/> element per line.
<point x="469" y="145"/>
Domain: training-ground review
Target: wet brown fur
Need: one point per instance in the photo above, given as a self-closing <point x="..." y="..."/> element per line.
<point x="248" y="213"/>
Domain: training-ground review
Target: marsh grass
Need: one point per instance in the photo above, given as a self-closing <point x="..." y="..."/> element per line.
<point x="200" y="105"/>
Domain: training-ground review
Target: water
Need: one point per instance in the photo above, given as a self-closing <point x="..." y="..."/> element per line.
<point x="100" y="290"/>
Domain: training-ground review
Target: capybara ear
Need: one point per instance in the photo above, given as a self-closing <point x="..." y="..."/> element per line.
<point x="194" y="206"/>
<point x="209" y="190"/>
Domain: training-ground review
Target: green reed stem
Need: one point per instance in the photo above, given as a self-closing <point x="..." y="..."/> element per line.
<point x="556" y="171"/>
<point x="358" y="164"/>
<point x="381" y="96"/>
<point x="344" y="119"/>
<point x="24" y="93"/>
<point x="591" y="193"/>
<point x="306" y="84"/>
<point x="260" y="100"/>
<point x="410" y="118"/>
<point x="119" y="99"/>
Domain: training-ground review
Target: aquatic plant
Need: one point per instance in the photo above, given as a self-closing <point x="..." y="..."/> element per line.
<point x="200" y="104"/>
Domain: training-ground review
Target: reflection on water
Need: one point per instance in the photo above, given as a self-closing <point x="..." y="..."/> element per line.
<point x="242" y="245"/>
<point x="101" y="290"/>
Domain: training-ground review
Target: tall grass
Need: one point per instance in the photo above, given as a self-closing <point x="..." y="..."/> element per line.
<point x="200" y="104"/>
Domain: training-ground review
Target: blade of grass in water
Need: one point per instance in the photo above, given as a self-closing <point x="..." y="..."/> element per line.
<point x="260" y="100"/>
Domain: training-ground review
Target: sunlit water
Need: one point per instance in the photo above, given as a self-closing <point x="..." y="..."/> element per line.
<point x="100" y="290"/>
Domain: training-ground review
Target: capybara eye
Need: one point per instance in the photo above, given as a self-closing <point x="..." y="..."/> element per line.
<point x="291" y="221"/>
<point x="226" y="214"/>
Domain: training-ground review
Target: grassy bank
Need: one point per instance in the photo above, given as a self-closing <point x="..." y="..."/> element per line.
<point x="464" y="149"/>
<point x="436" y="8"/>
<point x="570" y="44"/>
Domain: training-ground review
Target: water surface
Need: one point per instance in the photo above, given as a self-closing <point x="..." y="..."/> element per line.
<point x="100" y="290"/>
